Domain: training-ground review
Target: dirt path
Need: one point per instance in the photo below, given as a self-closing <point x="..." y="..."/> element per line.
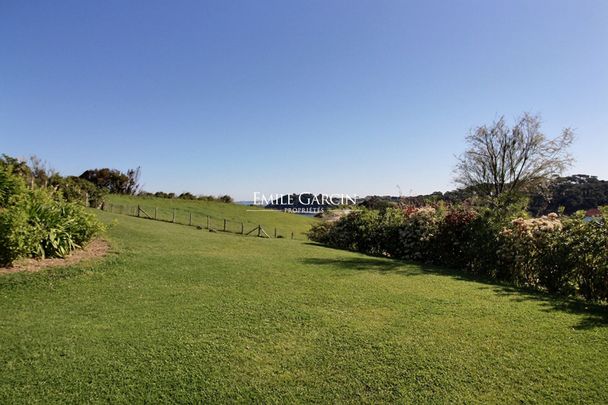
<point x="97" y="248"/>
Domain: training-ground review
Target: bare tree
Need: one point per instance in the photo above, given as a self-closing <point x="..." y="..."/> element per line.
<point x="40" y="172"/>
<point x="502" y="159"/>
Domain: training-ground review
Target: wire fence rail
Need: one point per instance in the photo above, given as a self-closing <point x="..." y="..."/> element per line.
<point x="200" y="221"/>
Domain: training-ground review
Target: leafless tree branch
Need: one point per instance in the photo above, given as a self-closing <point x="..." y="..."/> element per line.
<point x="502" y="159"/>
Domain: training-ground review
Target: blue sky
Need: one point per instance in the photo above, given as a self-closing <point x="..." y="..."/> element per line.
<point x="290" y="96"/>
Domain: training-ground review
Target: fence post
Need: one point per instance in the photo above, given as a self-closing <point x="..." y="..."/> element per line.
<point x="292" y="235"/>
<point x="207" y="221"/>
<point x="242" y="228"/>
<point x="138" y="210"/>
<point x="173" y="220"/>
<point x="275" y="233"/>
<point x="224" y="224"/>
<point x="259" y="231"/>
<point x="155" y="217"/>
<point x="190" y="220"/>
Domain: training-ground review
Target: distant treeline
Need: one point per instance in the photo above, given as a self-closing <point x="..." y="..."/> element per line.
<point x="187" y="196"/>
<point x="574" y="193"/>
<point x="571" y="193"/>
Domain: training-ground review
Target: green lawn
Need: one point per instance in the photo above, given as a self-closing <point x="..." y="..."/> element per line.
<point x="284" y="223"/>
<point x="177" y="314"/>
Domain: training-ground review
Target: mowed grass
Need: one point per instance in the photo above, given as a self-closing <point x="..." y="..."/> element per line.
<point x="284" y="223"/>
<point x="177" y="314"/>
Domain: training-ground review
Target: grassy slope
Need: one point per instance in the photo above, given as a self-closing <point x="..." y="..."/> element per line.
<point x="187" y="315"/>
<point x="235" y="213"/>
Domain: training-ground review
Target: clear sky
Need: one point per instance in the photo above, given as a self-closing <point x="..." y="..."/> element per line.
<point x="291" y="96"/>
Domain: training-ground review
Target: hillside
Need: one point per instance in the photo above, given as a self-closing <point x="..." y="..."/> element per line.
<point x="285" y="223"/>
<point x="180" y="315"/>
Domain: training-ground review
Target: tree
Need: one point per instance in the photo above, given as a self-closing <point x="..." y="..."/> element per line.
<point x="186" y="196"/>
<point x="40" y="172"/>
<point x="572" y="193"/>
<point x="508" y="160"/>
<point x="75" y="189"/>
<point x="225" y="199"/>
<point x="114" y="181"/>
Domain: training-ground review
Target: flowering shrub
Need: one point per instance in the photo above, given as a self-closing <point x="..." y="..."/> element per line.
<point x="388" y="232"/>
<point x="566" y="255"/>
<point x="456" y="237"/>
<point x="534" y="252"/>
<point x="416" y="235"/>
<point x="587" y="243"/>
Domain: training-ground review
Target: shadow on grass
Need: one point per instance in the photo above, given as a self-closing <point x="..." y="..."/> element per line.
<point x="593" y="315"/>
<point x="380" y="265"/>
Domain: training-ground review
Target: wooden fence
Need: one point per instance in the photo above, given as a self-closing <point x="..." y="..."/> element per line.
<point x="199" y="220"/>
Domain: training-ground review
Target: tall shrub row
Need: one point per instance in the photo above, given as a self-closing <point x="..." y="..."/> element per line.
<point x="562" y="255"/>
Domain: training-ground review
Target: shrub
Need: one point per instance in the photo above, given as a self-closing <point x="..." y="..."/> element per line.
<point x="18" y="238"/>
<point x="533" y="252"/>
<point x="416" y="235"/>
<point x="356" y="231"/>
<point x="10" y="185"/>
<point x="42" y="224"/>
<point x="567" y="256"/>
<point x="387" y="232"/>
<point x="457" y="237"/>
<point x="588" y="254"/>
<point x="61" y="226"/>
<point x="75" y="189"/>
<point x="321" y="232"/>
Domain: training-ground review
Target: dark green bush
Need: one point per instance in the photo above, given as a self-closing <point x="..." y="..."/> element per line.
<point x="320" y="232"/>
<point x="356" y="231"/>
